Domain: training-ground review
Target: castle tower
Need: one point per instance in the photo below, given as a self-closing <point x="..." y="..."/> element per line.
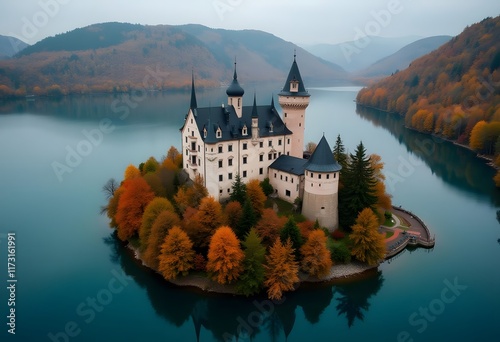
<point x="294" y="100"/>
<point x="235" y="94"/>
<point x="255" y="121"/>
<point x="321" y="185"/>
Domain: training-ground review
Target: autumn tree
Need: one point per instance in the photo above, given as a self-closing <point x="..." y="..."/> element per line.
<point x="232" y="214"/>
<point x="209" y="218"/>
<point x="153" y="209"/>
<point x="358" y="191"/>
<point x="252" y="278"/>
<point x="150" y="166"/>
<point x="162" y="224"/>
<point x="154" y="181"/>
<point x="368" y="245"/>
<point x="110" y="187"/>
<point x="256" y="196"/>
<point x="225" y="257"/>
<point x="290" y="231"/>
<point x="133" y="201"/>
<point x="176" y="254"/>
<point x="316" y="259"/>
<point x="238" y="190"/>
<point x="269" y="226"/>
<point x="174" y="157"/>
<point x="112" y="207"/>
<point x="383" y="199"/>
<point x="281" y="269"/>
<point x="131" y="172"/>
<point x="191" y="196"/>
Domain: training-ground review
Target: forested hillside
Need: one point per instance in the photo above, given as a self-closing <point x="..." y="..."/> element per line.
<point x="452" y="92"/>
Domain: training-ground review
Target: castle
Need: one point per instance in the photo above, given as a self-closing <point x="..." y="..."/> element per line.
<point x="256" y="142"/>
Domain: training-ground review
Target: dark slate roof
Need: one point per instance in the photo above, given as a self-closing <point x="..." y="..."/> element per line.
<point x="193" y="103"/>
<point x="225" y="118"/>
<point x="289" y="164"/>
<point x="234" y="88"/>
<point x="322" y="159"/>
<point x="294" y="75"/>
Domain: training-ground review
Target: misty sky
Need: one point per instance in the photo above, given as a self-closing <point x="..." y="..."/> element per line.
<point x="301" y="22"/>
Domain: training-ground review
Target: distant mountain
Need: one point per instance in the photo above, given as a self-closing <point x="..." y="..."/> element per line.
<point x="357" y="55"/>
<point x="118" y="57"/>
<point x="403" y="57"/>
<point x="9" y="46"/>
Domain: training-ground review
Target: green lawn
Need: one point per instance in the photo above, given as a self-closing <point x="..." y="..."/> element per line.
<point x="389" y="222"/>
<point x="388" y="234"/>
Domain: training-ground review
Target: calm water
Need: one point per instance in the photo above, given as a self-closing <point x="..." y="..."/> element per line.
<point x="76" y="283"/>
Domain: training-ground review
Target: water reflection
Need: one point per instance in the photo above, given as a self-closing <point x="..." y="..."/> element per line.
<point x="353" y="298"/>
<point x="456" y="166"/>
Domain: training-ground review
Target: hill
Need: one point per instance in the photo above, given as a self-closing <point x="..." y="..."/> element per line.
<point x="403" y="57"/>
<point x="359" y="54"/>
<point x="119" y="56"/>
<point x="9" y="46"/>
<point x="453" y="92"/>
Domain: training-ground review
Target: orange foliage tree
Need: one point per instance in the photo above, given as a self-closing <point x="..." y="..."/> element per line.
<point x="153" y="209"/>
<point x="133" y="201"/>
<point x="316" y="259"/>
<point x="282" y="270"/>
<point x="131" y="172"/>
<point x="176" y="254"/>
<point x="256" y="196"/>
<point x="232" y="214"/>
<point x="208" y="218"/>
<point x="384" y="200"/>
<point x="225" y="257"/>
<point x="159" y="230"/>
<point x="112" y="207"/>
<point x="269" y="226"/>
<point x="368" y="245"/>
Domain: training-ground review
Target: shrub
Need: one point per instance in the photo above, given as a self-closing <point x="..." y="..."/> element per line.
<point x="388" y="215"/>
<point x="199" y="263"/>
<point x="267" y="188"/>
<point x="337" y="234"/>
<point x="340" y="253"/>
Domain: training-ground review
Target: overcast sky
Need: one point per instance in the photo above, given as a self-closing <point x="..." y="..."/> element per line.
<point x="298" y="21"/>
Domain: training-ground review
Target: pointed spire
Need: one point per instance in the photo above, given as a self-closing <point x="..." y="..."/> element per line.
<point x="254" y="108"/>
<point x="193" y="104"/>
<point x="295" y="77"/>
<point x="272" y="101"/>
<point x="235" y="76"/>
<point x="234" y="88"/>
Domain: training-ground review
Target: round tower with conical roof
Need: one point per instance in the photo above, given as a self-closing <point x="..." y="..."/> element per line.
<point x="321" y="183"/>
<point x="294" y="100"/>
<point x="235" y="94"/>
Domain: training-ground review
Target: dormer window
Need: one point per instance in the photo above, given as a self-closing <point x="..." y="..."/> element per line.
<point x="271" y="127"/>
<point x="204" y="132"/>
<point x="244" y="131"/>
<point x="294" y="86"/>
<point x="218" y="134"/>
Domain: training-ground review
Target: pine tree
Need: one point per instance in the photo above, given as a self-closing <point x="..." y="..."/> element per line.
<point x="247" y="221"/>
<point x="225" y="257"/>
<point x="368" y="245"/>
<point x="316" y="259"/>
<point x="339" y="152"/>
<point x="290" y="231"/>
<point x="238" y="190"/>
<point x="177" y="254"/>
<point x="358" y="191"/>
<point x="252" y="279"/>
<point x="281" y="269"/>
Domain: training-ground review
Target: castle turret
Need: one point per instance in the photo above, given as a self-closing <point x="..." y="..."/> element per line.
<point x="255" y="121"/>
<point x="235" y="94"/>
<point x="294" y="100"/>
<point x="321" y="187"/>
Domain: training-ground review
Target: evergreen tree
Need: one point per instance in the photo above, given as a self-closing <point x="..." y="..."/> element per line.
<point x="252" y="279"/>
<point x="238" y="190"/>
<point x="291" y="231"/>
<point x="339" y="153"/>
<point x="358" y="191"/>
<point x="247" y="221"/>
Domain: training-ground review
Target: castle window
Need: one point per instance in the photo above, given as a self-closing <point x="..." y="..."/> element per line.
<point x="281" y="177"/>
<point x="261" y="171"/>
<point x="292" y="180"/>
<point x="228" y="191"/>
<point x="193" y="146"/>
<point x="274" y="155"/>
<point x="297" y="188"/>
<point x="261" y="157"/>
<point x="312" y="175"/>
<point x="286" y="179"/>
<point x="287" y="193"/>
<point x="300" y="125"/>
<point x="192" y="133"/>
<point x="279" y="142"/>
<point x="244" y="131"/>
<point x="230" y="162"/>
<point x="198" y="148"/>
<point x="220" y="148"/>
<point x="279" y="154"/>
<point x="204" y="132"/>
<point x="328" y="176"/>
<point x="199" y="161"/>
<point x="219" y="133"/>
<point x="220" y="163"/>
<point x="187" y="151"/>
<point x="191" y="120"/>
<point x="334" y="175"/>
<point x="244" y="174"/>
<point x="288" y="153"/>
<point x="261" y="144"/>
<point x="288" y="141"/>
<point x="271" y="127"/>
<point x="245" y="146"/>
<point x="270" y="156"/>
<point x="275" y="175"/>
<point x="270" y="143"/>
<point x="230" y="175"/>
<point x="319" y="176"/>
<point x="221" y="178"/>
<point x="285" y="115"/>
<point x="193" y="160"/>
<point x="220" y="191"/>
<point x="244" y="160"/>
<point x="186" y="139"/>
<point x="230" y="148"/>
<point x="239" y="102"/>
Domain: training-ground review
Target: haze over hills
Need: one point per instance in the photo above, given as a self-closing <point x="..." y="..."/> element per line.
<point x="119" y="56"/>
<point x="9" y="46"/>
<point x="402" y="58"/>
<point x="361" y="53"/>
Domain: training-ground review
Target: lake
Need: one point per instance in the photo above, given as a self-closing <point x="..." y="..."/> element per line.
<point x="76" y="282"/>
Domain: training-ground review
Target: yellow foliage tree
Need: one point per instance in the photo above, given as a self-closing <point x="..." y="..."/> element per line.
<point x="282" y="270"/>
<point x="316" y="258"/>
<point x="152" y="211"/>
<point x="225" y="257"/>
<point x="177" y="254"/>
<point x="256" y="196"/>
<point x="368" y="245"/>
<point x="131" y="172"/>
